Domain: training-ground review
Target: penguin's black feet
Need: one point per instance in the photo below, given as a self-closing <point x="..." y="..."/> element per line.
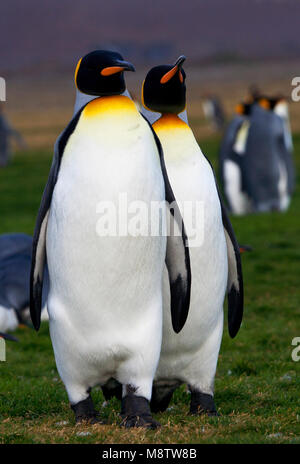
<point x="202" y="403"/>
<point x="161" y="398"/>
<point x="85" y="412"/>
<point x="136" y="412"/>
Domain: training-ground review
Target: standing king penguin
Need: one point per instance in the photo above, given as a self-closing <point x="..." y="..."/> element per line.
<point x="105" y="298"/>
<point x="256" y="160"/>
<point x="191" y="356"/>
<point x="231" y="161"/>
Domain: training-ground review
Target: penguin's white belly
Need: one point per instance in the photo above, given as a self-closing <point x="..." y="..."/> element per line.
<point x="105" y="299"/>
<point x="8" y="319"/>
<point x="192" y="180"/>
<point x="284" y="198"/>
<point x="239" y="201"/>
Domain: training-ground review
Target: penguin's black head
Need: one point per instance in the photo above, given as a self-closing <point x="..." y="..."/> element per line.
<point x="102" y="73"/>
<point x="164" y="88"/>
<point x="244" y="109"/>
<point x="275" y="100"/>
<point x="272" y="102"/>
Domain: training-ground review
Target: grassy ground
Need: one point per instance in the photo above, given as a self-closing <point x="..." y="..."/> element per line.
<point x="257" y="383"/>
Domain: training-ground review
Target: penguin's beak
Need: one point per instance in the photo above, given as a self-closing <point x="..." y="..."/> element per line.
<point x="178" y="64"/>
<point x="120" y="66"/>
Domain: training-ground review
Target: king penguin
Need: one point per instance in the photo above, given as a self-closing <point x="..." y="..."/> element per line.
<point x="191" y="356"/>
<point x="105" y="298"/>
<point x="279" y="106"/>
<point x="231" y="161"/>
<point x="264" y="163"/>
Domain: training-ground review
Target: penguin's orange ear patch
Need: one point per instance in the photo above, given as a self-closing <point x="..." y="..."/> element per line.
<point x="166" y="77"/>
<point x="264" y="103"/>
<point x="111" y="70"/>
<point x="239" y="109"/>
<point x="76" y="71"/>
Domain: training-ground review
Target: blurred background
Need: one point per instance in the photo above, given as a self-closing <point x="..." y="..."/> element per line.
<point x="229" y="45"/>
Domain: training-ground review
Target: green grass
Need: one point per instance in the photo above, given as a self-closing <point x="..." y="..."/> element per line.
<point x="257" y="383"/>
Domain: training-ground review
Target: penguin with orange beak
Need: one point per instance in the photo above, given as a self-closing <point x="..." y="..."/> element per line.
<point x="191" y="356"/>
<point x="105" y="299"/>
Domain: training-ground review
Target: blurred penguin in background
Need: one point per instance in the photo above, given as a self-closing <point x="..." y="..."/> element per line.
<point x="279" y="106"/>
<point x="267" y="161"/>
<point x="214" y="112"/>
<point x="256" y="158"/>
<point x="6" y="133"/>
<point x="11" y="244"/>
<point x="15" y="263"/>
<point x="231" y="158"/>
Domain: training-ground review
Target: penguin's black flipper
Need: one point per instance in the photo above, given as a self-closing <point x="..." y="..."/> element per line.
<point x="235" y="286"/>
<point x="8" y="337"/>
<point x="177" y="257"/>
<point x="39" y="238"/>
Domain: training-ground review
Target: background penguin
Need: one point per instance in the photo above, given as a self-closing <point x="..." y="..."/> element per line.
<point x="256" y="163"/>
<point x="191" y="356"/>
<point x="279" y="106"/>
<point x="11" y="244"/>
<point x="213" y="111"/>
<point x="15" y="264"/>
<point x="264" y="167"/>
<point x="105" y="301"/>
<point x="231" y="158"/>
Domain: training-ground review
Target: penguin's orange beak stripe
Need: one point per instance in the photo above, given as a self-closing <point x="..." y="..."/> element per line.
<point x="166" y="77"/>
<point x="111" y="70"/>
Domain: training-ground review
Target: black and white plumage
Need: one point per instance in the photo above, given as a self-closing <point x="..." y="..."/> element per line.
<point x="256" y="160"/>
<point x="105" y="301"/>
<point x="191" y="357"/>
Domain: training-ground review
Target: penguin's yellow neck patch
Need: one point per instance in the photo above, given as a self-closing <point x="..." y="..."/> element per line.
<point x="111" y="105"/>
<point x="169" y="122"/>
<point x="177" y="139"/>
